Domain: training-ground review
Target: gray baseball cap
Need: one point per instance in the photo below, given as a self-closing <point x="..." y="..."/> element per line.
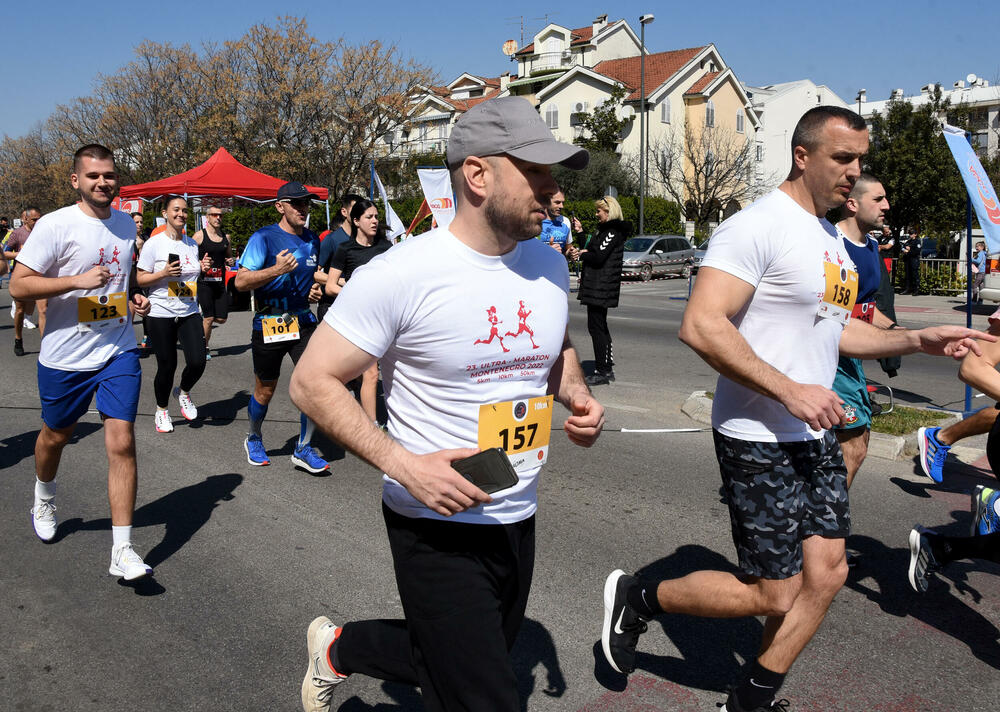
<point x="510" y="125"/>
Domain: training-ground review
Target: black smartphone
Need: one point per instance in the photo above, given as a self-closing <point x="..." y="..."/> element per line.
<point x="173" y="258"/>
<point x="489" y="470"/>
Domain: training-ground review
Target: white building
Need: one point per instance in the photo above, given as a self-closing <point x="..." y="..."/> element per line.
<point x="780" y="106"/>
<point x="972" y="93"/>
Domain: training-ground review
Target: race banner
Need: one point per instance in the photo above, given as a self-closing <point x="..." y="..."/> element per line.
<point x="981" y="192"/>
<point x="436" y="184"/>
<point x="127" y="206"/>
<point x="394" y="224"/>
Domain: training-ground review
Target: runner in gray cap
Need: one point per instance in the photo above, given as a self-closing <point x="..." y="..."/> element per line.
<point x="463" y="558"/>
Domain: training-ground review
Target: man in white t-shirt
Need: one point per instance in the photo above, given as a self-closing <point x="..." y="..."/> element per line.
<point x="463" y="559"/>
<point x="80" y="259"/>
<point x="770" y="311"/>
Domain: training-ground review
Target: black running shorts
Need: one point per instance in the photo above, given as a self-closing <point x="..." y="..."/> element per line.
<point x="267" y="358"/>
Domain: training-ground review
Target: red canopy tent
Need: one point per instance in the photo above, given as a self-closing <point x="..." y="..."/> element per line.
<point x="220" y="175"/>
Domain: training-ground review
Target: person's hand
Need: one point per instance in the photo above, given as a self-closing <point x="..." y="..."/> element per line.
<point x="815" y="405"/>
<point x="556" y="246"/>
<point x="586" y="421"/>
<point x="206" y="263"/>
<point x="577" y="227"/>
<point x="139" y="304"/>
<point x="94" y="278"/>
<point x="315" y="292"/>
<point x="285" y="262"/>
<point x="954" y="341"/>
<point x="171" y="269"/>
<point x="434" y="483"/>
<point x="573" y="252"/>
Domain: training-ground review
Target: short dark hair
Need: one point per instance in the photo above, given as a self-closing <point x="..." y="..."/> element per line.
<point x="807" y="130"/>
<point x="132" y="215"/>
<point x="861" y="184"/>
<point x="92" y="150"/>
<point x="349" y="199"/>
<point x="31" y="209"/>
<point x="360" y="206"/>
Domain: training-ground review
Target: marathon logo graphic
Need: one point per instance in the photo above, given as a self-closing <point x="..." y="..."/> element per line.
<point x="520" y="410"/>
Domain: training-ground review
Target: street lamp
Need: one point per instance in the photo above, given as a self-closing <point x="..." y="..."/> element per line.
<point x="860" y="97"/>
<point x="643" y="21"/>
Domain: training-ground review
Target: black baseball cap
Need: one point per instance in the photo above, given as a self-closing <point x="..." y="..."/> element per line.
<point x="295" y="191"/>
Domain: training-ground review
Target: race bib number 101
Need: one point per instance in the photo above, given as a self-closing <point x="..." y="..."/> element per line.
<point x="101" y="312"/>
<point x="521" y="427"/>
<point x="279" y="328"/>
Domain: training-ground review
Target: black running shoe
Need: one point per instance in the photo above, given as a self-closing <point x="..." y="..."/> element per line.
<point x="18" y="348"/>
<point x="622" y="624"/>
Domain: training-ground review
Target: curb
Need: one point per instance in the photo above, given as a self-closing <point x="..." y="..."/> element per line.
<point x="698" y="407"/>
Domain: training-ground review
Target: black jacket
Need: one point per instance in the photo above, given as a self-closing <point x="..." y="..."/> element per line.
<point x="601" y="279"/>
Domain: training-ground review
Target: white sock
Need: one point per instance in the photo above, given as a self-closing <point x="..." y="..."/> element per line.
<point x="45" y="490"/>
<point x="121" y="535"/>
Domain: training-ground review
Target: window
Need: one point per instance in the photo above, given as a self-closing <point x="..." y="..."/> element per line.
<point x="709" y="113"/>
<point x="739" y="121"/>
<point x="443" y="129"/>
<point x="665" y="111"/>
<point x="552" y="116"/>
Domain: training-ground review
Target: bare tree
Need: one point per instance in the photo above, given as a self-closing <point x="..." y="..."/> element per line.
<point x="707" y="172"/>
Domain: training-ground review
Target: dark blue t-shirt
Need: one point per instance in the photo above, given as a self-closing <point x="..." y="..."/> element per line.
<point x="288" y="293"/>
<point x="869" y="275"/>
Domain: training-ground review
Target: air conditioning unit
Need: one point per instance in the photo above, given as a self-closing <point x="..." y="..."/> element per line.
<point x="581" y="107"/>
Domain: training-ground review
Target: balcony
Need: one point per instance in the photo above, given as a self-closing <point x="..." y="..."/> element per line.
<point x="550" y="61"/>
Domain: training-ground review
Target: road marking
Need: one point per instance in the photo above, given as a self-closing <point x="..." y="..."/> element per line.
<point x="628" y="408"/>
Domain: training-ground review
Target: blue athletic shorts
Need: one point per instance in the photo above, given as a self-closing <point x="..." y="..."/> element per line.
<point x="66" y="395"/>
<point x="851" y="386"/>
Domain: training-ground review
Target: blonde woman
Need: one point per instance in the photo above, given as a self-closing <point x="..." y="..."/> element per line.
<point x="601" y="280"/>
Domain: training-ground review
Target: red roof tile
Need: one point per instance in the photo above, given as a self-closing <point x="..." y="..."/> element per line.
<point x="699" y="86"/>
<point x="659" y="68"/>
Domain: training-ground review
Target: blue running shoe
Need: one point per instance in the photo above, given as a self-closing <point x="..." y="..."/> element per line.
<point x="308" y="459"/>
<point x="985" y="519"/>
<point x="256" y="454"/>
<point x="932" y="453"/>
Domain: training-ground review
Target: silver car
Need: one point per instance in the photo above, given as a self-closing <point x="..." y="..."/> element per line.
<point x="652" y="255"/>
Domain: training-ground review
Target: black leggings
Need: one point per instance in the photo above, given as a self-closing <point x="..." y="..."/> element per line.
<point x="597" y="325"/>
<point x="952" y="548"/>
<point x="164" y="334"/>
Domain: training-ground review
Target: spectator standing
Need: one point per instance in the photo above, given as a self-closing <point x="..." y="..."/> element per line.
<point x="910" y="254"/>
<point x="978" y="271"/>
<point x="555" y="228"/>
<point x="601" y="281"/>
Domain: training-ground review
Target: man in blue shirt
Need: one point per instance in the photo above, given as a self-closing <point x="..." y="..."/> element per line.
<point x="279" y="264"/>
<point x="555" y="228"/>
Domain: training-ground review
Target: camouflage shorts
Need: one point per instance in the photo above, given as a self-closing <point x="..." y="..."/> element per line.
<point x="779" y="494"/>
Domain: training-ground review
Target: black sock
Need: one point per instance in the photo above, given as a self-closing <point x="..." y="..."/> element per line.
<point x="642" y="598"/>
<point x="757" y="689"/>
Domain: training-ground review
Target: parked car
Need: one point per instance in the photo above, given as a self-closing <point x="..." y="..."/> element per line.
<point x="928" y="248"/>
<point x="652" y="255"/>
<point x="699" y="256"/>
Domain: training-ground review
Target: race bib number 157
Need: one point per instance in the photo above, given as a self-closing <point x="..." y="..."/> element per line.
<point x="521" y="427"/>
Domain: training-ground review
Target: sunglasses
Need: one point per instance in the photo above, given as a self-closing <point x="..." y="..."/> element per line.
<point x="215" y="215"/>
<point x="297" y="203"/>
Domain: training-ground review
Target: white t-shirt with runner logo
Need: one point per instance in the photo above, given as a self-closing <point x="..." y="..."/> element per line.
<point x="456" y="330"/>
<point x="69" y="242"/>
<point x="779" y="248"/>
<point x="172" y="296"/>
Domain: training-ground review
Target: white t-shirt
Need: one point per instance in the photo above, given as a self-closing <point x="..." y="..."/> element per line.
<point x="178" y="301"/>
<point x="439" y="315"/>
<point x="779" y="248"/>
<point x="69" y="242"/>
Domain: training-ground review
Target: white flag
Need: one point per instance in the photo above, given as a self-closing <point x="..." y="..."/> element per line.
<point x="396" y="227"/>
<point x="436" y="184"/>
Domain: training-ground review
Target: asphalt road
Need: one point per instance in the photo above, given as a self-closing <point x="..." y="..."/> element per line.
<point x="245" y="557"/>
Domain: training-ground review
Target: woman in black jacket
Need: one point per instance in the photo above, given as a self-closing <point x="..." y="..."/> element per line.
<point x="601" y="282"/>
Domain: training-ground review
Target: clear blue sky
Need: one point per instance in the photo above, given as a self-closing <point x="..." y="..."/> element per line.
<point x="53" y="51"/>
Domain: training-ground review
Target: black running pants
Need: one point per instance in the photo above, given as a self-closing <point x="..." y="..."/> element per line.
<point x="164" y="335"/>
<point x="464" y="589"/>
<point x="597" y="325"/>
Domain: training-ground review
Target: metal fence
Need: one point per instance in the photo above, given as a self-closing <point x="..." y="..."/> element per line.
<point x="936" y="276"/>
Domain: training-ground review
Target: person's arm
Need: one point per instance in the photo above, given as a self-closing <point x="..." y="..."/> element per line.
<point x="247" y="279"/>
<point x="566" y="383"/>
<point x="317" y="389"/>
<point x="707" y="329"/>
<point x="333" y="285"/>
<point x="27" y="284"/>
<point x="145" y="278"/>
<point x="139" y="303"/>
<point x="881" y="321"/>
<point x="861" y="340"/>
<point x="979" y="370"/>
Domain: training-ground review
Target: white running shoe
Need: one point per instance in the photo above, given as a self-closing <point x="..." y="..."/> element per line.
<point x="320" y="678"/>
<point x="163" y="422"/>
<point x="128" y="564"/>
<point x="28" y="324"/>
<point x="188" y="409"/>
<point x="43" y="517"/>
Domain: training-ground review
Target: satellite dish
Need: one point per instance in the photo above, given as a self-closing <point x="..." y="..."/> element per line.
<point x="971" y="79"/>
<point x="509" y="47"/>
<point x="625" y="113"/>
